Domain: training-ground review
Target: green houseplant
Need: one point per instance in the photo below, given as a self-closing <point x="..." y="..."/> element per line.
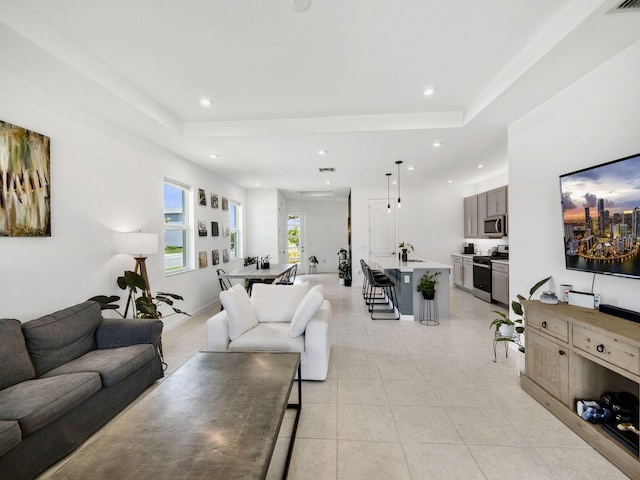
<point x="505" y="326"/>
<point x="405" y="246"/>
<point x="427" y="285"/>
<point x="344" y="268"/>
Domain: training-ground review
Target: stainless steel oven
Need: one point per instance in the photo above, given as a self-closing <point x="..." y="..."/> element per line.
<point x="482" y="277"/>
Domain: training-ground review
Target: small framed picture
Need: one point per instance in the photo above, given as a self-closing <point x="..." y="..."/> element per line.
<point x="214" y="200"/>
<point x="215" y="257"/>
<point x="202" y="259"/>
<point x="225" y="255"/>
<point x="202" y="228"/>
<point x="225" y="229"/>
<point x="225" y="203"/>
<point x="215" y="231"/>
<point x="202" y="197"/>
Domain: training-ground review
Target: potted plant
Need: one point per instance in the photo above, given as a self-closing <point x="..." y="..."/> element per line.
<point x="427" y="285"/>
<point x="266" y="261"/>
<point x="405" y="247"/>
<point x="344" y="269"/>
<point x="507" y="327"/>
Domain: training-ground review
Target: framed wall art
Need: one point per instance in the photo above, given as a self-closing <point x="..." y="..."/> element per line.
<point x="214" y="200"/>
<point x="215" y="231"/>
<point x="202" y="197"/>
<point x="225" y="255"/>
<point x="202" y="228"/>
<point x="202" y="259"/>
<point x="215" y="257"/>
<point x="25" y="196"/>
<point x="225" y="203"/>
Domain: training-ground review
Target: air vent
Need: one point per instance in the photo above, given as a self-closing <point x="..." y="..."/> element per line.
<point x="326" y="169"/>
<point x="629" y="5"/>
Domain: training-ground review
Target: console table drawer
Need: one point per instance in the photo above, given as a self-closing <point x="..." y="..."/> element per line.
<point x="557" y="328"/>
<point x="607" y="347"/>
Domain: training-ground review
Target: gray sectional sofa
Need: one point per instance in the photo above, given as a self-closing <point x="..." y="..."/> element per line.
<point x="65" y="375"/>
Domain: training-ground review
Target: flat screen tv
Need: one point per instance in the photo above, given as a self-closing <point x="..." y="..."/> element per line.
<point x="601" y="218"/>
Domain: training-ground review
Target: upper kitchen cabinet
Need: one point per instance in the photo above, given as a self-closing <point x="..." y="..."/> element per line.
<point x="497" y="201"/>
<point x="471" y="216"/>
<point x="478" y="207"/>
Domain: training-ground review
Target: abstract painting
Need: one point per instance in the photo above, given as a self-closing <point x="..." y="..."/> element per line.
<point x="25" y="202"/>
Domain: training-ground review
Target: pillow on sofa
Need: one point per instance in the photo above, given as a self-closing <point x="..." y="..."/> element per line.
<point x="277" y="303"/>
<point x="242" y="315"/>
<point x="305" y="311"/>
<point x="15" y="365"/>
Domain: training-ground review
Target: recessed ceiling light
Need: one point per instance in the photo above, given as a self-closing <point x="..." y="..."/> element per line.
<point x="214" y="155"/>
<point x="412" y="168"/>
<point x="480" y="166"/>
<point x="323" y="152"/>
<point x="437" y="144"/>
<point x="428" y="91"/>
<point x="449" y="181"/>
<point x="394" y="182"/>
<point x="257" y="184"/>
<point x="206" y="102"/>
<point x="328" y="182"/>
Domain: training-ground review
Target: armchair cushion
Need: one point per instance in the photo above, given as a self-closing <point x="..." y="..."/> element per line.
<point x="277" y="303"/>
<point x="305" y="311"/>
<point x="240" y="310"/>
<point x="15" y="365"/>
<point x="122" y="332"/>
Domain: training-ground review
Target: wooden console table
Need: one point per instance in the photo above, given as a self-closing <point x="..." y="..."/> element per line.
<point x="217" y="416"/>
<point x="574" y="353"/>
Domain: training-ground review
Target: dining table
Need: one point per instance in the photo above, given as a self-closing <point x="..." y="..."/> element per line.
<point x="266" y="275"/>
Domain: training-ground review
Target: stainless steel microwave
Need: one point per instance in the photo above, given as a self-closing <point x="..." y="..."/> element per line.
<point x="495" y="226"/>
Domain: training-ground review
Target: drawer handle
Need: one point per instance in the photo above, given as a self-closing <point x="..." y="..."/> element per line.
<point x="544" y="324"/>
<point x="561" y="352"/>
<point x="600" y="348"/>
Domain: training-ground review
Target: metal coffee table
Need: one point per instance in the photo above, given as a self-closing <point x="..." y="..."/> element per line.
<point x="217" y="417"/>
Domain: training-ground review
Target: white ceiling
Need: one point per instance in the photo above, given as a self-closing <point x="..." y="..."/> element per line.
<point x="345" y="75"/>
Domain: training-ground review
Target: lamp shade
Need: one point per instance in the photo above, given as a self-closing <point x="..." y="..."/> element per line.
<point x="136" y="243"/>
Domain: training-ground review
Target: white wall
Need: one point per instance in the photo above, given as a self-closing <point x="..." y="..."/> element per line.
<point x="262" y="223"/>
<point x="591" y="122"/>
<point x="325" y="230"/>
<point x="99" y="185"/>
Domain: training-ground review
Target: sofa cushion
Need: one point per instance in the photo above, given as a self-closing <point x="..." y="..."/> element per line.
<point x="240" y="310"/>
<point x="62" y="336"/>
<point x="15" y="364"/>
<point x="268" y="337"/>
<point x="277" y="303"/>
<point x="36" y="403"/>
<point x="10" y="435"/>
<point x="113" y="364"/>
<point x="306" y="310"/>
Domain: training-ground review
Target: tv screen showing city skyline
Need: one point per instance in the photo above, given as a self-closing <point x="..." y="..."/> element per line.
<point x="601" y="218"/>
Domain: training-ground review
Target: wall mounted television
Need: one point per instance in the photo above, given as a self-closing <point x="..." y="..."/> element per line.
<point x="601" y="218"/>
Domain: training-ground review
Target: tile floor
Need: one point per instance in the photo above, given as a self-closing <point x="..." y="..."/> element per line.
<point x="407" y="401"/>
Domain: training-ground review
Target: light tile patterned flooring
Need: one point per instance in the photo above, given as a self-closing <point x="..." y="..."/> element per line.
<point x="407" y="401"/>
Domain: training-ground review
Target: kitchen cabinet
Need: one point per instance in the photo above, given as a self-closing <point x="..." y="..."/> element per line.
<point x="577" y="353"/>
<point x="500" y="282"/>
<point x="478" y="207"/>
<point x="471" y="217"/>
<point x="496" y="202"/>
<point x="463" y="272"/>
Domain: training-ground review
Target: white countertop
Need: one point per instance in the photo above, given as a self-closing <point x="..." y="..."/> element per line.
<point x="413" y="264"/>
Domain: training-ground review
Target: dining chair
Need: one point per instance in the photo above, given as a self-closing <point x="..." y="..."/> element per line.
<point x="225" y="283"/>
<point x="289" y="276"/>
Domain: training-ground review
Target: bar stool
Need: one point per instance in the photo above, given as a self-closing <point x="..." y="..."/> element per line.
<point x="387" y="289"/>
<point x="366" y="285"/>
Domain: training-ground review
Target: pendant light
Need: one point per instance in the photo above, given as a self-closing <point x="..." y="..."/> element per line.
<point x="388" y="193"/>
<point x="399" y="162"/>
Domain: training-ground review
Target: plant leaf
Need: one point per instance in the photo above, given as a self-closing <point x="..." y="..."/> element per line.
<point x="172" y="295"/>
<point x="538" y="285"/>
<point x="517" y="308"/>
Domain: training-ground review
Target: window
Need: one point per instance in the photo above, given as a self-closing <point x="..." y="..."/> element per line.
<point x="177" y="227"/>
<point x="235" y="229"/>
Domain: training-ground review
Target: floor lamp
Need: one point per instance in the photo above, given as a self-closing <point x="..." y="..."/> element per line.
<point x="138" y="244"/>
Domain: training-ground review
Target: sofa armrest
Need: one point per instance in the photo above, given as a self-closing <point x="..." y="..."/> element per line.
<point x="218" y="333"/>
<point x="121" y="332"/>
<point x="317" y="344"/>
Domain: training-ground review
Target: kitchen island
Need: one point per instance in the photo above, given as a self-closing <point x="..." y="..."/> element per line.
<point x="406" y="276"/>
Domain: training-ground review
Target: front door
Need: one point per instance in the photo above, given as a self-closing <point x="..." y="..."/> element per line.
<point x="295" y="251"/>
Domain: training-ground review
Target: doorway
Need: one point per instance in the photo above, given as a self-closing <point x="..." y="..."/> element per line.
<point x="382" y="228"/>
<point x="295" y="240"/>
